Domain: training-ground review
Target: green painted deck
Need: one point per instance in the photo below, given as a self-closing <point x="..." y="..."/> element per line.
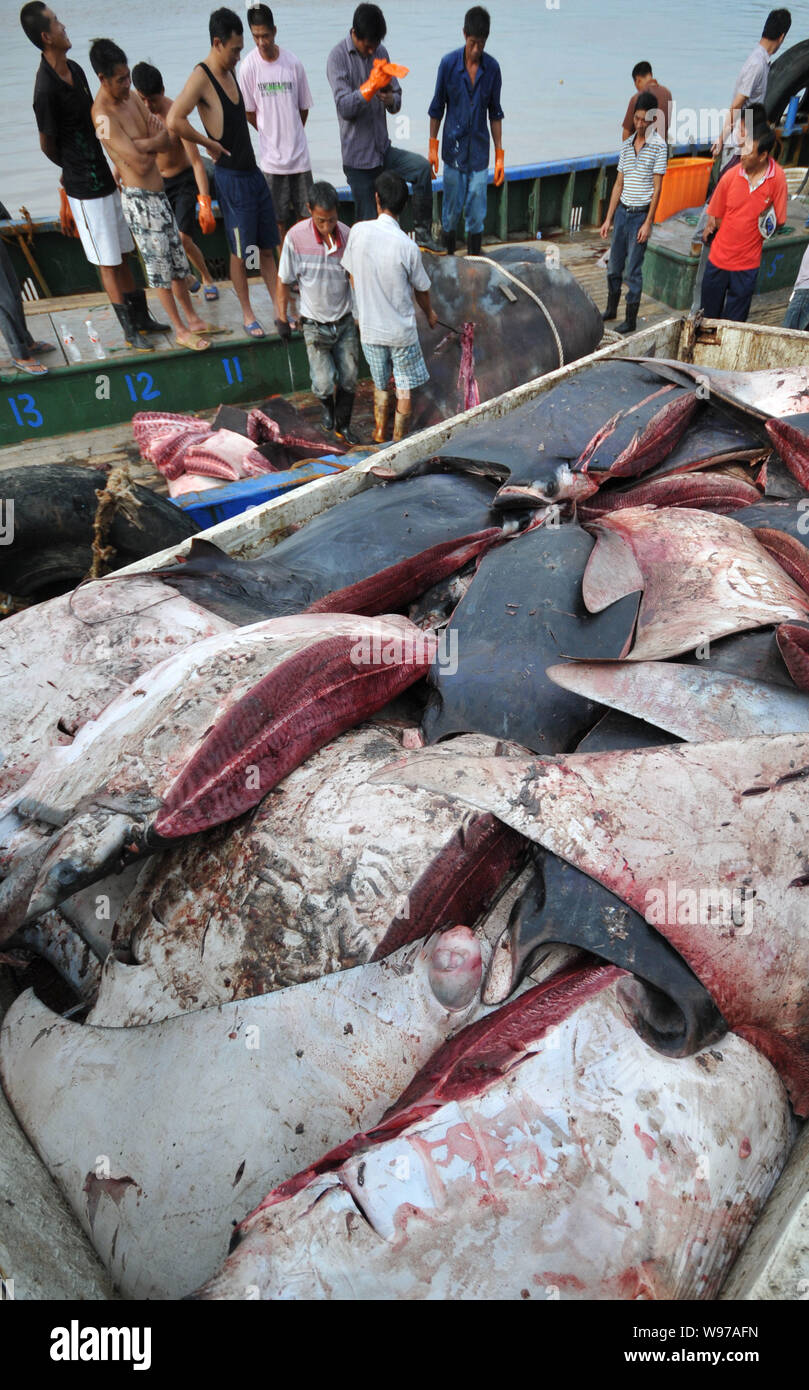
<point x="93" y="393"/>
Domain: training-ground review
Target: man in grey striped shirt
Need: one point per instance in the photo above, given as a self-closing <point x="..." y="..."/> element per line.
<point x="635" y="195"/>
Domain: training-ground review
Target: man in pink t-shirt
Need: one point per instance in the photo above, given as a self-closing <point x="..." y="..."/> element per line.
<point x="277" y="101"/>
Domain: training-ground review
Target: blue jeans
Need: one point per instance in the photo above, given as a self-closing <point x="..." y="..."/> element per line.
<point x="464" y="193"/>
<point x="797" y="315"/>
<point x="333" y="350"/>
<point x="726" y="294"/>
<point x="413" y="168"/>
<point x="626" y="248"/>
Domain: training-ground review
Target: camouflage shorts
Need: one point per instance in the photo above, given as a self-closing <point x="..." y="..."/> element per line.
<point x="157" y="237"/>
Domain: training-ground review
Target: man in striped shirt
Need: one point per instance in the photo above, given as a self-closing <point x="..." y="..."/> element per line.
<point x="635" y="195"/>
<point x="313" y="256"/>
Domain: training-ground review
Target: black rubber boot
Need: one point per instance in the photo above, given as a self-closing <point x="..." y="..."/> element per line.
<point x="630" y="323"/>
<point x="138" y="307"/>
<point x="327" y="418"/>
<point x="134" y="339"/>
<point x="427" y="242"/>
<point x="342" y="417"/>
<point x="449" y="243"/>
<point x="611" y="311"/>
<point x="474" y="244"/>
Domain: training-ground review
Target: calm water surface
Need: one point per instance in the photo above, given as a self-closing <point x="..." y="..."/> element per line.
<point x="566" y="70"/>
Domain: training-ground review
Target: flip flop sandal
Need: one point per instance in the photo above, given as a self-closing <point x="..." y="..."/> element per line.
<point x="254" y="329"/>
<point x="32" y="368"/>
<point x="38" y="348"/>
<point x="199" y="343"/>
<point x="211" y="292"/>
<point x="194" y="289"/>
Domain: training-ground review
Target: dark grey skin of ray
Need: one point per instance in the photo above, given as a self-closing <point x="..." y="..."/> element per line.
<point x="513" y="340"/>
<point x="377" y="528"/>
<point x="712" y="434"/>
<point x="786" y="516"/>
<point x="617" y="731"/>
<point x="527" y="447"/>
<point x="523" y="612"/>
<point x="669" y="1007"/>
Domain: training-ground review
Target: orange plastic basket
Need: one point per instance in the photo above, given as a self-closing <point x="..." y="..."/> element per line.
<point x="685" y="184"/>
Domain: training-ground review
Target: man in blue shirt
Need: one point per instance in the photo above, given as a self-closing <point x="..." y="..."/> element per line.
<point x="468" y="88"/>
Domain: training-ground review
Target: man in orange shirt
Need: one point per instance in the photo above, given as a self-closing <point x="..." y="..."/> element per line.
<point x="742" y="197"/>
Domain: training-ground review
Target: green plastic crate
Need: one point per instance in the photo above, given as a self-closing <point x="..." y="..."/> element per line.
<point x="670" y="269"/>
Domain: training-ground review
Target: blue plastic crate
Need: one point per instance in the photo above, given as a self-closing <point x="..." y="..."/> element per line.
<point x="217" y="504"/>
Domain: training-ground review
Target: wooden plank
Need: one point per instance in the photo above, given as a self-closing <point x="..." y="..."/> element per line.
<point x="41" y="329"/>
<point x="65" y="301"/>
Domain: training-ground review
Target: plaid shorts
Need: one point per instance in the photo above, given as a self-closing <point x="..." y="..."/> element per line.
<point x="407" y="363"/>
<point x="157" y="237"/>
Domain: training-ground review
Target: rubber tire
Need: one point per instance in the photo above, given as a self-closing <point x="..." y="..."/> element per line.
<point x="54" y="510"/>
<point x="788" y="75"/>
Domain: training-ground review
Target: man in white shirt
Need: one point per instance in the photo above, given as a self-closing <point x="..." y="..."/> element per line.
<point x="277" y="101"/>
<point x="387" y="274"/>
<point x="751" y="84"/>
<point x="313" y="257"/>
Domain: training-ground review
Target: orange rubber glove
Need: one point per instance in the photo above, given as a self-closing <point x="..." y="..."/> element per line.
<point x="380" y="75"/>
<point x="66" y="219"/>
<point x="499" y="167"/>
<point x="433" y="157"/>
<point x="205" y="216"/>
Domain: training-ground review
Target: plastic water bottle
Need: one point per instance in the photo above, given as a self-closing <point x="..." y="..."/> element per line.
<point x="71" y="346"/>
<point x="95" y="341"/>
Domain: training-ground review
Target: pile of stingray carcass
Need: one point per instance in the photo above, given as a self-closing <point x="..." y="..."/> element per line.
<point x="432" y="887"/>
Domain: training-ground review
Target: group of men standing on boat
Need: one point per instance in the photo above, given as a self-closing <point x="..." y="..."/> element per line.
<point x="158" y="188"/>
<point x="150" y="195"/>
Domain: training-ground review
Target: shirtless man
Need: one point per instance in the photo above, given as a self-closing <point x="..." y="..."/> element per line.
<point x="131" y="135"/>
<point x="184" y="176"/>
<point x="240" y="185"/>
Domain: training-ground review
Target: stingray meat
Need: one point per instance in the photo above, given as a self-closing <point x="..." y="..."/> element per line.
<point x="211" y="1109"/>
<point x="615" y="419"/>
<point x="328" y="872"/>
<point x="202" y="737"/>
<point x="64" y="660"/>
<point x="703" y="576"/>
<point x="523" y="612"/>
<point x="545" y="1152"/>
<point x="516" y="338"/>
<point x="705" y="841"/>
<point x="411" y="533"/>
